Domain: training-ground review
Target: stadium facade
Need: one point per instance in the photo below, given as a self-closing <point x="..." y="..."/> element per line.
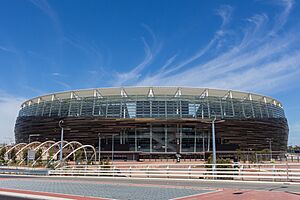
<point x="143" y="121"/>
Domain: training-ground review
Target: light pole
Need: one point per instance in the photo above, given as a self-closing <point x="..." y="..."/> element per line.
<point x="270" y="146"/>
<point x="112" y="148"/>
<point x="60" y="123"/>
<point x="99" y="147"/>
<point x="214" y="143"/>
<point x="214" y="161"/>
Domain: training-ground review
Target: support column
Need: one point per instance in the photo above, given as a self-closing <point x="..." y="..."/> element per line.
<point x="166" y="110"/>
<point x="121" y="135"/>
<point x="166" y="138"/>
<point x="208" y="108"/>
<point x="150" y="138"/>
<point x="177" y="139"/>
<point x="203" y="142"/>
<point x="208" y="141"/>
<point x="43" y="108"/>
<point x="261" y="115"/>
<point x="80" y="111"/>
<point x="106" y="109"/>
<point x="150" y="108"/>
<point x="135" y="140"/>
<point x="221" y="108"/>
<point x="124" y="137"/>
<point x="195" y="141"/>
<point x="94" y="102"/>
<point x="180" y="139"/>
<point x="180" y="111"/>
<point x="243" y="108"/>
<point x="59" y="110"/>
<point x="70" y="107"/>
<point x="50" y="109"/>
<point x="232" y="107"/>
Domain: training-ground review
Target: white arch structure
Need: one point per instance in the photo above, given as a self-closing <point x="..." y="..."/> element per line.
<point x="13" y="147"/>
<point x="26" y="146"/>
<point x="82" y="147"/>
<point x="44" y="143"/>
<point x="8" y="145"/>
<point x="47" y="150"/>
<point x="39" y="146"/>
<point x="68" y="144"/>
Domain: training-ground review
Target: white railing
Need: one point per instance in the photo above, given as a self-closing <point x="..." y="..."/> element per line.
<point x="258" y="172"/>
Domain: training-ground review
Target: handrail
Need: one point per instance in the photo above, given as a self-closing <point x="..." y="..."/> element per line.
<point x="258" y="172"/>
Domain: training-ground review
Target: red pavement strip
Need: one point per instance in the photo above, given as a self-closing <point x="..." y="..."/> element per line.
<point x="48" y="194"/>
<point x="231" y="194"/>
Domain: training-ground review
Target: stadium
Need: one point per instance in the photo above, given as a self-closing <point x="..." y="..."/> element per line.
<point x="156" y="122"/>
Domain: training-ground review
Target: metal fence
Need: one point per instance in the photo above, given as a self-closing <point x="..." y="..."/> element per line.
<point x="252" y="172"/>
<point x="295" y="157"/>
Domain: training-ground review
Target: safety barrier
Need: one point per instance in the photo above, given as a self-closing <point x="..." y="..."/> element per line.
<point x="16" y="170"/>
<point x="258" y="172"/>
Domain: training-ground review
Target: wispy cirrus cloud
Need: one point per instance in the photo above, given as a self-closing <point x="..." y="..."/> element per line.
<point x="263" y="58"/>
<point x="6" y="49"/>
<point x="225" y="13"/>
<point x="45" y="7"/>
<point x="135" y="73"/>
<point x="65" y="85"/>
<point x="56" y="74"/>
<point x="90" y="50"/>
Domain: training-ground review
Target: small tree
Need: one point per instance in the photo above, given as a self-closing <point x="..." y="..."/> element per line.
<point x="38" y="155"/>
<point x="50" y="155"/>
<point x="240" y="155"/>
<point x="2" y="155"/>
<point x="219" y="161"/>
<point x="13" y="156"/>
<point x="78" y="156"/>
<point x="25" y="155"/>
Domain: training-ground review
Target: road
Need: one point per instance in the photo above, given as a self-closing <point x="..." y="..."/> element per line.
<point x="124" y="188"/>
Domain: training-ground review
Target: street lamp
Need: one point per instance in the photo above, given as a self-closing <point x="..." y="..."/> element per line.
<point x="214" y="142"/>
<point x="60" y="123"/>
<point x="214" y="162"/>
<point x="270" y="146"/>
<point x="99" y="147"/>
<point x="112" y="148"/>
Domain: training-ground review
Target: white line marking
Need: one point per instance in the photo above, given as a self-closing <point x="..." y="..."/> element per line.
<point x="31" y="196"/>
<point x="195" y="195"/>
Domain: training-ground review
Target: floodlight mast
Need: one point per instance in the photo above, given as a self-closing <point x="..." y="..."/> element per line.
<point x="60" y="123"/>
<point x="99" y="148"/>
<point x="214" y="143"/>
<point x="214" y="120"/>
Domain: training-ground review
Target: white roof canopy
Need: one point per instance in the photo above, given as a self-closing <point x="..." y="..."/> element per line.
<point x="153" y="91"/>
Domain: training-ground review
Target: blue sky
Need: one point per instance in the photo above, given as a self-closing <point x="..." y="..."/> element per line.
<point x="49" y="46"/>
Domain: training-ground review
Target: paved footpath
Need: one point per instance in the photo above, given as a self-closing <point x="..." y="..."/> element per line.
<point x="30" y="187"/>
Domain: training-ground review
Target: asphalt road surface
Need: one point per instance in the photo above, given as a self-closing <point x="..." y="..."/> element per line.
<point x="124" y="188"/>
